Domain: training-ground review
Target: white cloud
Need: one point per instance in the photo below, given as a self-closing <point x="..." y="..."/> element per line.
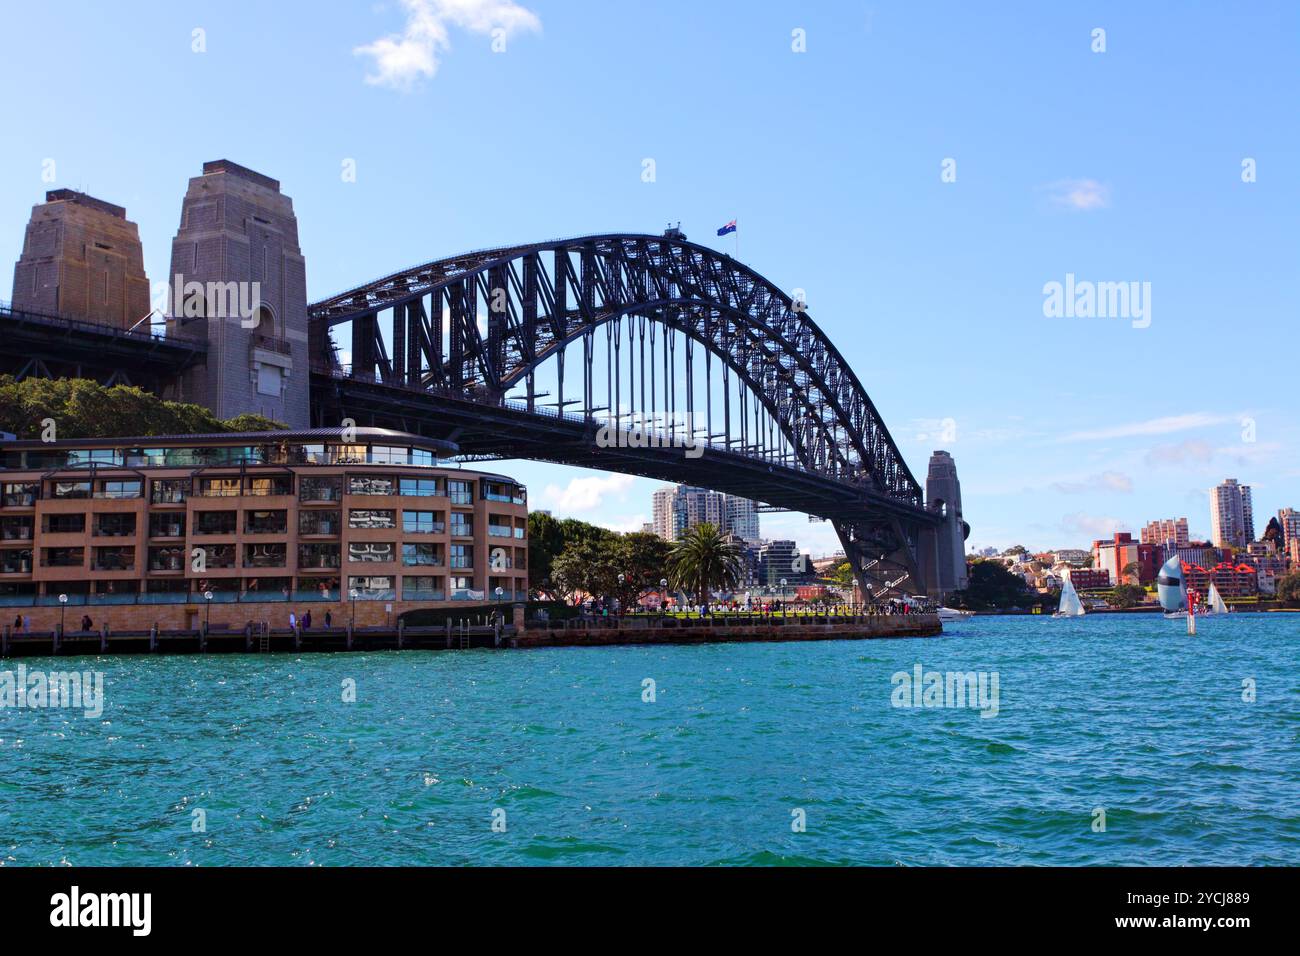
<point x="1153" y="426"/>
<point x="583" y="494"/>
<point x="1079" y="194"/>
<point x="1094" y="526"/>
<point x="1106" y="481"/>
<point x="625" y="523"/>
<point x="1191" y="451"/>
<point x="402" y="60"/>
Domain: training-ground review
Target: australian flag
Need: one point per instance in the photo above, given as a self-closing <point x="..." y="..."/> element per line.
<point x="729" y="227"/>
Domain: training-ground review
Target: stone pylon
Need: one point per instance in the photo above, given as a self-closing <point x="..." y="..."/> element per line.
<point x="239" y="277"/>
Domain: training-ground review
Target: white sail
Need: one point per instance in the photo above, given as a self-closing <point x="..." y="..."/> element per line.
<point x="1171" y="586"/>
<point x="1215" y="601"/>
<point x="1071" y="606"/>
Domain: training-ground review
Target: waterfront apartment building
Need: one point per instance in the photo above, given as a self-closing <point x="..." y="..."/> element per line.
<point x="1087" y="579"/>
<point x="1230" y="580"/>
<point x="1166" y="531"/>
<point x="318" y="516"/>
<point x="1232" y="521"/>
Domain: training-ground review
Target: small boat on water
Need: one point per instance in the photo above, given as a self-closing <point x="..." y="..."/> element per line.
<point x="1214" y="603"/>
<point x="1070" y="605"/>
<point x="1171" y="588"/>
<point x="953" y="614"/>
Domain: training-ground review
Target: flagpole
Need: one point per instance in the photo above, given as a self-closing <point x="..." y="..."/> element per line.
<point x="737" y="235"/>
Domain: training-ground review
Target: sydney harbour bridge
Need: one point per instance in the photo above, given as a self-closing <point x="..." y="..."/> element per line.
<point x="648" y="355"/>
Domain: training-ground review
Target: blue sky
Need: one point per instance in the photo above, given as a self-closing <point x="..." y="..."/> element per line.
<point x="1115" y="166"/>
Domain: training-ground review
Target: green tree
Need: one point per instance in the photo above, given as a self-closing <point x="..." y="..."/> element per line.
<point x="702" y="560"/>
<point x="841" y="575"/>
<point x="545" y="543"/>
<point x="82" y="408"/>
<point x="992" y="587"/>
<point x="642" y="560"/>
<point x="587" y="567"/>
<point x="1288" y="589"/>
<point x="1131" y="570"/>
<point x="1126" y="595"/>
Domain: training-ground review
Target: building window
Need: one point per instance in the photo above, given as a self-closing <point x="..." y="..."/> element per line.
<point x="320" y="489"/>
<point x="21" y="494"/>
<point x="368" y="518"/>
<point x="317" y="556"/>
<point x="265" y="555"/>
<point x="462" y="525"/>
<point x="371" y="588"/>
<point x="214" y="522"/>
<point x="16" y="561"/>
<point x="266" y="522"/>
<point x="16" y="529"/>
<point x="217" y="556"/>
<point x="422" y="588"/>
<point x="371" y="485"/>
<point x="219" y="488"/>
<point x="167" y="524"/>
<point x="65" y="524"/>
<point x="71" y="489"/>
<point x="462" y="556"/>
<point x="112" y="525"/>
<point x="423" y="522"/>
<point x="270" y="485"/>
<point x="422" y="555"/>
<point x="167" y="559"/>
<point x="371" y="551"/>
<point x="63" y="557"/>
<point x="420" y="487"/>
<point x="318" y="522"/>
<point x="460" y="492"/>
<point x="113" y="559"/>
<point x="500" y="526"/>
<point x="133" y="488"/>
<point x="169" y="491"/>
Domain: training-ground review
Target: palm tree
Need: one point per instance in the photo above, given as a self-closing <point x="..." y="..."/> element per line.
<point x="702" y="560"/>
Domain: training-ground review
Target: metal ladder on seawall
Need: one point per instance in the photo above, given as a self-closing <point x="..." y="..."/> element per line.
<point x="264" y="639"/>
<point x="464" y="636"/>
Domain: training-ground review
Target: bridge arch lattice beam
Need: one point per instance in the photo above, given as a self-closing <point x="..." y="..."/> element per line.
<point x="530" y="315"/>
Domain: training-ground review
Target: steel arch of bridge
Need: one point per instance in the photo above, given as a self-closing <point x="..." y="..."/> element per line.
<point x="544" y="297"/>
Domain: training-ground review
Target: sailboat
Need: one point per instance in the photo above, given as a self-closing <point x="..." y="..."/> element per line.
<point x="1172" y="588"/>
<point x="1070" y="606"/>
<point x="1215" y="603"/>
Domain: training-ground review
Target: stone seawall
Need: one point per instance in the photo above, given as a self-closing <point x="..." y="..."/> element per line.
<point x="706" y="632"/>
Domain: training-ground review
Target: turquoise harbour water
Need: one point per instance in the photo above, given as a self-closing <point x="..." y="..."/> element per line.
<point x="1126" y="713"/>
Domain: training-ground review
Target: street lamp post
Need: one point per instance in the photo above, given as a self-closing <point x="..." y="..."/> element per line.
<point x="63" y="606"/>
<point x="207" y="611"/>
<point x="621" y="579"/>
<point x="663" y="597"/>
<point x="783" y="598"/>
<point x="498" y="593"/>
<point x="352" y="593"/>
